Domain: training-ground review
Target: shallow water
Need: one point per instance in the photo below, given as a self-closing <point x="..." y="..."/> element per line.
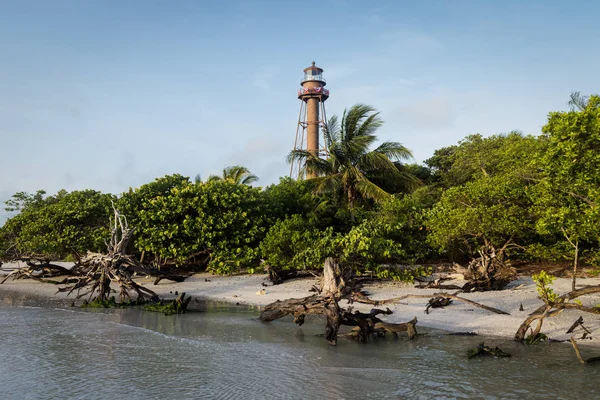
<point x="224" y="352"/>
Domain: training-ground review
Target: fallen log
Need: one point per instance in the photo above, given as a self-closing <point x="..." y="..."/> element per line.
<point x="424" y="296"/>
<point x="408" y="327"/>
<point x="36" y="269"/>
<point x="314" y="304"/>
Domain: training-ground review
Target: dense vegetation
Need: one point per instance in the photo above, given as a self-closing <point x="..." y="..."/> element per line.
<point x="537" y="197"/>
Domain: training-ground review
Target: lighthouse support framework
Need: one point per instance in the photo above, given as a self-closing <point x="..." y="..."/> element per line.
<point x="297" y="169"/>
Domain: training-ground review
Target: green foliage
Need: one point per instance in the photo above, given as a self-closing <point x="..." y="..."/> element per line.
<point x="487" y="198"/>
<point x="134" y="201"/>
<point x="100" y="303"/>
<point x="540" y="193"/>
<point x="476" y="157"/>
<point x="536" y="339"/>
<point x="400" y="274"/>
<point x="58" y="226"/>
<point x="23" y="200"/>
<point x="542" y="280"/>
<point x="289" y="197"/>
<point x="377" y="240"/>
<point x="294" y="243"/>
<point x="567" y="200"/>
<point x="218" y="220"/>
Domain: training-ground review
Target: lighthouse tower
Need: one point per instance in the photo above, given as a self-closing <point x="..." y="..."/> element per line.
<point x="312" y="117"/>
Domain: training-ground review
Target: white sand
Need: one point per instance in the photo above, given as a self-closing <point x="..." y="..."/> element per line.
<point x="458" y="317"/>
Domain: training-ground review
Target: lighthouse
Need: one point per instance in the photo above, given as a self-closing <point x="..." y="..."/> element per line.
<point x="312" y="118"/>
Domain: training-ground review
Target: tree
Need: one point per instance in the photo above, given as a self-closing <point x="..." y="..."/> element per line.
<point x="475" y="157"/>
<point x="23" y="200"/>
<point x="568" y="200"/>
<point x="236" y="174"/>
<point x="350" y="169"/>
<point x="217" y="224"/>
<point x="487" y="201"/>
<point x="58" y="226"/>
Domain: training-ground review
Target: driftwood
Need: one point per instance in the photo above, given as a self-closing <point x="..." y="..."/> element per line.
<point x="408" y="327"/>
<point x="549" y="309"/>
<point x="278" y="276"/>
<point x="337" y="284"/>
<point x="438" y="302"/>
<point x="578" y="354"/>
<point x="483" y="350"/>
<point x="37" y="268"/>
<point x="116" y="266"/>
<point x="168" y="275"/>
<point x="490" y="271"/>
<point x="424" y="296"/>
<point x="437" y="284"/>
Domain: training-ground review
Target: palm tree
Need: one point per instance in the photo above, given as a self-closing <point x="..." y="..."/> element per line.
<point x="350" y="168"/>
<point x="578" y="101"/>
<point x="235" y="174"/>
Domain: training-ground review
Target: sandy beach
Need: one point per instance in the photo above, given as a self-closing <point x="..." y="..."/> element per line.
<point x="458" y="317"/>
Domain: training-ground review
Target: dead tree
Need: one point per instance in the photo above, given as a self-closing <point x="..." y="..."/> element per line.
<point x="490" y="271"/>
<point x="36" y="268"/>
<point x="116" y="266"/>
<point x="553" y="307"/>
<point x="337" y="284"/>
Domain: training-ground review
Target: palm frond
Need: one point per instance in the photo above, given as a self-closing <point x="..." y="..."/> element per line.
<point x="374" y="161"/>
<point x="353" y="118"/>
<point x="369" y="190"/>
<point x="332" y="131"/>
<point x="298" y="156"/>
<point x="394" y="151"/>
<point x="577" y="101"/>
<point x="249" y="179"/>
<point x="370" y="125"/>
<point x="327" y="184"/>
<point x="358" y="146"/>
<point x="318" y="165"/>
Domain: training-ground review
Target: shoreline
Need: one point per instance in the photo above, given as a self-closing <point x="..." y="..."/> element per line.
<point x="245" y="290"/>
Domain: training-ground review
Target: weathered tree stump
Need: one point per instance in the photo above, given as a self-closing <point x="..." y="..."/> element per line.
<point x="336" y="285"/>
<point x="489" y="271"/>
<point x="483" y="350"/>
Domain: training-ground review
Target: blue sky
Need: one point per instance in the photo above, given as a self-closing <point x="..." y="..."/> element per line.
<point x="109" y="94"/>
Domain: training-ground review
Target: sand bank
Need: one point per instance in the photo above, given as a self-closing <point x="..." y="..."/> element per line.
<point x="459" y="317"/>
